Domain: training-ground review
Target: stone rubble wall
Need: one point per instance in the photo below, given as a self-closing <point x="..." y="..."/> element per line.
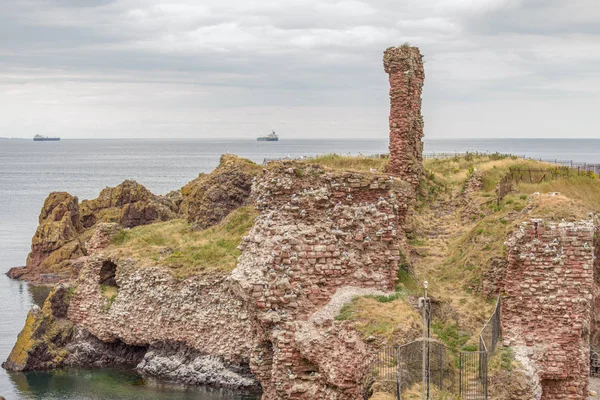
<point x="319" y="232"/>
<point x="546" y="310"/>
<point x="595" y="334"/>
<point x="153" y="308"/>
<point x="406" y="75"/>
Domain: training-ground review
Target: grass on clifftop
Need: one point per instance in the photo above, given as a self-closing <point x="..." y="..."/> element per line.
<point x="351" y="163"/>
<point x="186" y="252"/>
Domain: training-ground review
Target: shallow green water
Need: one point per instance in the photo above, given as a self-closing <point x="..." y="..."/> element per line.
<point x="109" y="384"/>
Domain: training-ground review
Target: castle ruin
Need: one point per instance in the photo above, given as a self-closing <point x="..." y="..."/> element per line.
<point x="404" y="65"/>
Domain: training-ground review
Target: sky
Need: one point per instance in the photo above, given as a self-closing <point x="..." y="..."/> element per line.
<point x="305" y="68"/>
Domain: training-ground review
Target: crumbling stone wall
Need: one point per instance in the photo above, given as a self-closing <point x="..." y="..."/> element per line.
<point x="406" y="75"/>
<point x="595" y="334"/>
<point x="198" y="316"/>
<point x="546" y="310"/>
<point x="319" y="232"/>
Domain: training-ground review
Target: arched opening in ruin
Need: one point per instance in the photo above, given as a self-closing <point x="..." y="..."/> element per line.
<point x="108" y="273"/>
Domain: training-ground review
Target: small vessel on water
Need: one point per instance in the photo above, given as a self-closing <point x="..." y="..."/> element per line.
<point x="272" y="137"/>
<point x="40" y="138"/>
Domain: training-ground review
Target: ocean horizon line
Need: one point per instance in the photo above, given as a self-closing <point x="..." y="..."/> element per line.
<point x="213" y="139"/>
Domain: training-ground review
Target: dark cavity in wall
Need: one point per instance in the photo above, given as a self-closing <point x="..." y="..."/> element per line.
<point x="108" y="273"/>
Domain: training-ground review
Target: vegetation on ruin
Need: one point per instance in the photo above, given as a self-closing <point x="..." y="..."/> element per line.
<point x="453" y="253"/>
<point x="184" y="251"/>
<point x="350" y="163"/>
<point x="110" y="294"/>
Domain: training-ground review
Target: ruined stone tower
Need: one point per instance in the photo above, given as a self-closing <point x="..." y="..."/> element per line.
<point x="405" y="67"/>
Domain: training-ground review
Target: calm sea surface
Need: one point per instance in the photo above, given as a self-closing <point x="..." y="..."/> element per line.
<point x="29" y="171"/>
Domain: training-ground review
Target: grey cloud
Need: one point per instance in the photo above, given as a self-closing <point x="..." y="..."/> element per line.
<point x="183" y="60"/>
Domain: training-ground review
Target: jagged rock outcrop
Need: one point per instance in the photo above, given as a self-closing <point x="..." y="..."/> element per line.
<point x="57" y="238"/>
<point x="50" y="340"/>
<point x="65" y="226"/>
<point x="211" y="197"/>
<point x="130" y="204"/>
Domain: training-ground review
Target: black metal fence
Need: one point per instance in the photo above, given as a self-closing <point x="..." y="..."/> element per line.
<point x="594" y="364"/>
<point x="423" y="367"/>
<point x="473" y="382"/>
<point x="428" y="369"/>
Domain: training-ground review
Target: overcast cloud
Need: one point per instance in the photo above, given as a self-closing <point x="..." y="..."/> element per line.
<point x="306" y="68"/>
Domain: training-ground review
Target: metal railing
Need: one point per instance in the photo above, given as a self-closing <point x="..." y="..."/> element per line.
<point x="594" y="364"/>
<point x="429" y="368"/>
<point x="580" y="166"/>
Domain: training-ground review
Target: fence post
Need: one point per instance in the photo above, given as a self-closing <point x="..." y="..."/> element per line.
<point x="460" y="374"/>
<point x="399" y="374"/>
<point x="441" y="368"/>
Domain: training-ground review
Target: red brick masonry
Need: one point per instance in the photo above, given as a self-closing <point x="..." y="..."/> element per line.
<point x="546" y="311"/>
<point x="405" y="67"/>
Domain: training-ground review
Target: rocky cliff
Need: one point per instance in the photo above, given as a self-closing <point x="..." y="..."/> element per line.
<point x="321" y="238"/>
<point x="66" y="226"/>
<point x="211" y="197"/>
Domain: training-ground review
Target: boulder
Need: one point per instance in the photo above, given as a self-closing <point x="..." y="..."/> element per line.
<point x="211" y="197"/>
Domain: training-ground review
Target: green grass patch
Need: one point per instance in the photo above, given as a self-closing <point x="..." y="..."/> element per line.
<point x="351" y="163"/>
<point x="184" y="251"/>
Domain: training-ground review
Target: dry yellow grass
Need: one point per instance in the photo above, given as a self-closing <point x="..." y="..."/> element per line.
<point x="389" y="318"/>
<point x="186" y="252"/>
<point x="383" y="396"/>
<point x="350" y="163"/>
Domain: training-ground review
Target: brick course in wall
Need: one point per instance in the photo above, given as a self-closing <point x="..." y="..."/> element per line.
<point x="546" y="310"/>
<point x="319" y="232"/>
<point x="406" y="75"/>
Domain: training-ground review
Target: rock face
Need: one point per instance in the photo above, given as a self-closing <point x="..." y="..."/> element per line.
<point x="546" y="311"/>
<point x="129" y="204"/>
<point x="211" y="197"/>
<point x="406" y="74"/>
<point x="520" y="383"/>
<point x="65" y="226"/>
<point x="57" y="238"/>
<point x="50" y="340"/>
<point x="186" y="365"/>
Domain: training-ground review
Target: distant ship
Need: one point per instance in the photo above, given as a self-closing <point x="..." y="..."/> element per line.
<point x="272" y="137"/>
<point x="40" y="138"/>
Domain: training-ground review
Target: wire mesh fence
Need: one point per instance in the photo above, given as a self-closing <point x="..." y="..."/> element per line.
<point x="492" y="330"/>
<point x="422" y="368"/>
<point x="428" y="369"/>
<point x="580" y="167"/>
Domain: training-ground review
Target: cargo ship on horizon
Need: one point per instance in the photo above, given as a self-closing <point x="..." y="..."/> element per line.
<point x="40" y="138"/>
<point x="272" y="137"/>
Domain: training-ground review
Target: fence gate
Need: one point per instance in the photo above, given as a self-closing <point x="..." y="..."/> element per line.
<point x="473" y="382"/>
<point x="427" y="369"/>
